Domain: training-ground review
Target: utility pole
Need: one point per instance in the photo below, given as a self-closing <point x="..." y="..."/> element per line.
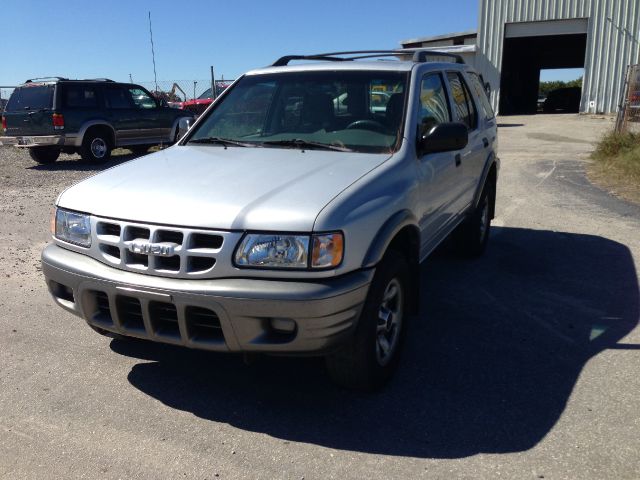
<point x="130" y="79"/>
<point x="153" y="54"/>
<point x="213" y="84"/>
<point x="194" y="89"/>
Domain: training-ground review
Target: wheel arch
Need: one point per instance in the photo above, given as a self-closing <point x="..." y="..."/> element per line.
<point x="489" y="175"/>
<point x="93" y="124"/>
<point x="402" y="234"/>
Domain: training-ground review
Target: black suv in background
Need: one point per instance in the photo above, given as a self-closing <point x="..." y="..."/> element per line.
<point x="90" y="117"/>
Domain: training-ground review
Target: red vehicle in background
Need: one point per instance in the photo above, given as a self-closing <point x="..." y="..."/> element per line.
<point x="200" y="104"/>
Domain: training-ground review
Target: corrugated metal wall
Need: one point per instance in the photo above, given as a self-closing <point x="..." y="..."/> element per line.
<point x="613" y="41"/>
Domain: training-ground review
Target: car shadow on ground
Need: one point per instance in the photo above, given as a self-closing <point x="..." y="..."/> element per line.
<point x="76" y="164"/>
<point x="488" y="367"/>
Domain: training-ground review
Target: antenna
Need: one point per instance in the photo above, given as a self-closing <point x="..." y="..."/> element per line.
<point x="153" y="54"/>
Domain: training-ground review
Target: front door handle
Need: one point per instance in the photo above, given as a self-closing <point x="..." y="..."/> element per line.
<point x="458" y="159"/>
<point x="485" y="142"/>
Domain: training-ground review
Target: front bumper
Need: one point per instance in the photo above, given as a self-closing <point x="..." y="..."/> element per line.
<point x="241" y="315"/>
<point x="29" y="141"/>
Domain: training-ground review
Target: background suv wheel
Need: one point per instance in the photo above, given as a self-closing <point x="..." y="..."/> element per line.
<point x="44" y="155"/>
<point x="96" y="146"/>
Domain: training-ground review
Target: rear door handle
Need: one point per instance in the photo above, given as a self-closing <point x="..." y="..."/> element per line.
<point x="458" y="159"/>
<point x="485" y="142"/>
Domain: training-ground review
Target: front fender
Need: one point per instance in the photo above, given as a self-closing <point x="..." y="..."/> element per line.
<point x="386" y="234"/>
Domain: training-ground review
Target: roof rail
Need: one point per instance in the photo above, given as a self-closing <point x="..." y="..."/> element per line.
<point x="98" y="80"/>
<point x="418" y="55"/>
<point x="45" y="78"/>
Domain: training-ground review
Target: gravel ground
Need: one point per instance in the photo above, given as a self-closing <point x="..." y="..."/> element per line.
<point x="523" y="364"/>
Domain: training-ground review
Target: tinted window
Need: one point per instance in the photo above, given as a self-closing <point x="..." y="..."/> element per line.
<point x="481" y="95"/>
<point x="142" y="99"/>
<point x="465" y="109"/>
<point x="78" y="96"/>
<point x="116" y="97"/>
<point x="32" y="97"/>
<point x="434" y="108"/>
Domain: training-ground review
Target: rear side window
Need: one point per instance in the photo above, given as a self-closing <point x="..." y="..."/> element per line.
<point x="117" y="98"/>
<point x="79" y="96"/>
<point x="31" y="97"/>
<point x="478" y="89"/>
<point x="464" y="106"/>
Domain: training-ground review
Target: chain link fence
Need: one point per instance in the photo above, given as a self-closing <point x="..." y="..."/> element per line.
<point x="629" y="112"/>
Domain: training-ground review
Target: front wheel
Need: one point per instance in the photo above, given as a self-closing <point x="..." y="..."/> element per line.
<point x="44" y="155"/>
<point x="370" y="358"/>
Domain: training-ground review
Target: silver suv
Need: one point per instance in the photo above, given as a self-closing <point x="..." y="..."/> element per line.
<point x="292" y="217"/>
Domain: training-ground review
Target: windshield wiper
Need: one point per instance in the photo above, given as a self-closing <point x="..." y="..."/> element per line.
<point x="299" y="143"/>
<point x="222" y="141"/>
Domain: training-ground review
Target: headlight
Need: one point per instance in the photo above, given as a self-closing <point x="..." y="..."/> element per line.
<point x="290" y="251"/>
<point x="73" y="227"/>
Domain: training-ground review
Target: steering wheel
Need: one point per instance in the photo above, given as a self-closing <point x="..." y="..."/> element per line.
<point x="367" y="125"/>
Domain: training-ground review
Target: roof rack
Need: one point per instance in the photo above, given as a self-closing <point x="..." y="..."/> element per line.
<point x="418" y="55"/>
<point x="98" y="80"/>
<point x="45" y="78"/>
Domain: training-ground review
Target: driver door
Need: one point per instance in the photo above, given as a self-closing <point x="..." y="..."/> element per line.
<point x="439" y="173"/>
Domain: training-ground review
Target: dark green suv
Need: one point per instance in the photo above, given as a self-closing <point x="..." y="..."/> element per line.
<point x="90" y="117"/>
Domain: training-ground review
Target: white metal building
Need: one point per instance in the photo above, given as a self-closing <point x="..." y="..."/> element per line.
<point x="518" y="38"/>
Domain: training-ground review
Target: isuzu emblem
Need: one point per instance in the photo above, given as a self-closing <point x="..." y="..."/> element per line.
<point x="146" y="248"/>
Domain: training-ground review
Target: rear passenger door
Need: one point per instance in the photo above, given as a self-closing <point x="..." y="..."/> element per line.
<point x="439" y="176"/>
<point x="80" y="104"/>
<point x="472" y="156"/>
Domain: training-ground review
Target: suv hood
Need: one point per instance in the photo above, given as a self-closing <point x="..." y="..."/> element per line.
<point x="212" y="187"/>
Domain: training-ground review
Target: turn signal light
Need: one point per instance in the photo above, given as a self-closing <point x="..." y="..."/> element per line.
<point x="58" y="121"/>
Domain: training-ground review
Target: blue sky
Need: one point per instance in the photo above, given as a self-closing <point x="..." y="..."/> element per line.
<point x="87" y="39"/>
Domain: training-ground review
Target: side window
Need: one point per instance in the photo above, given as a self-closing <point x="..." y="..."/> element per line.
<point x="434" y="107"/>
<point x="117" y="98"/>
<point x="80" y="96"/>
<point x="478" y="89"/>
<point x="464" y="106"/>
<point x="142" y="99"/>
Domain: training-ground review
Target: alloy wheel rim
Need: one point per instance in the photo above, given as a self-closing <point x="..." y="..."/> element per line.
<point x="389" y="319"/>
<point x="98" y="147"/>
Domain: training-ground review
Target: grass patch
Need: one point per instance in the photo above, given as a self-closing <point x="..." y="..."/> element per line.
<point x="616" y="164"/>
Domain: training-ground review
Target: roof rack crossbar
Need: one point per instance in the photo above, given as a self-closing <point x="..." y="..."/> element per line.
<point x="419" y="55"/>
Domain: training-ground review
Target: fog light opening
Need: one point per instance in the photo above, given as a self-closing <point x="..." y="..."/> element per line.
<point x="284" y="326"/>
<point x="62" y="292"/>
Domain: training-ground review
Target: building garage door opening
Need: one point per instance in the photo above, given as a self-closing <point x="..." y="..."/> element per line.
<point x="525" y="57"/>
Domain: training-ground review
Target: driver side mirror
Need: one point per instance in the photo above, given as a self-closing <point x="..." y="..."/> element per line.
<point x="444" y="137"/>
<point x="162" y="103"/>
<point x="184" y="125"/>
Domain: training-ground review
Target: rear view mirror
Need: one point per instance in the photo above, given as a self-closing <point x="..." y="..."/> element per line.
<point x="183" y="127"/>
<point x="444" y="137"/>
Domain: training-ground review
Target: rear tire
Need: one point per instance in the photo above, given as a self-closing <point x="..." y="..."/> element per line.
<point x="139" y="149"/>
<point x="368" y="361"/>
<point x="44" y="155"/>
<point x="96" y="147"/>
<point x="472" y="236"/>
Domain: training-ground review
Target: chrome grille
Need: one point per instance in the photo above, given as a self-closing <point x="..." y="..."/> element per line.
<point x="185" y="252"/>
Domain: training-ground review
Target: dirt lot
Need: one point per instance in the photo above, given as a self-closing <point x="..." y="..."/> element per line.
<point x="523" y="364"/>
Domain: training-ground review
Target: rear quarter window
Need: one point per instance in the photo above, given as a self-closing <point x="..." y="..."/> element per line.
<point x="31" y="97"/>
<point x="79" y="96"/>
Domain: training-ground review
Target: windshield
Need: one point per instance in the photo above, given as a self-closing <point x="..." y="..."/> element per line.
<point x="360" y="111"/>
<point x="34" y="97"/>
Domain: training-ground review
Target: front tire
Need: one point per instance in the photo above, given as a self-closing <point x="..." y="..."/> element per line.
<point x="96" y="147"/>
<point x="44" y="155"/>
<point x="368" y="361"/>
